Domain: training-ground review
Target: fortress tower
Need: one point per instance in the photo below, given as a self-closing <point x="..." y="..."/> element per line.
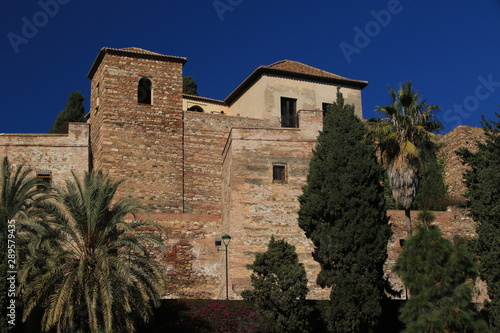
<point x="136" y="124"/>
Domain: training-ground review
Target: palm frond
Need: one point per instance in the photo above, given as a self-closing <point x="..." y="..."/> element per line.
<point x="97" y="259"/>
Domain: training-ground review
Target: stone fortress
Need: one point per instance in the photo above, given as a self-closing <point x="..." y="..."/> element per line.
<point x="206" y="167"/>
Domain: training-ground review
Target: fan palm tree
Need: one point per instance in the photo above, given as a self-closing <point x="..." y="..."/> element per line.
<point x="20" y="194"/>
<point x="87" y="267"/>
<point x="404" y="138"/>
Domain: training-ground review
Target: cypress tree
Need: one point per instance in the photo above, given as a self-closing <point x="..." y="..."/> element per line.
<point x="73" y="112"/>
<point x="189" y="86"/>
<point x="343" y="212"/>
<point x="280" y="288"/>
<point x="432" y="190"/>
<point x="483" y="198"/>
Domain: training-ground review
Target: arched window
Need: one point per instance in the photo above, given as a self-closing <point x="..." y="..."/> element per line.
<point x="144" y="91"/>
<point x="196" y="108"/>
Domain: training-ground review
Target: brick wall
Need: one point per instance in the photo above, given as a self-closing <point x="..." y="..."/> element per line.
<point x="139" y="142"/>
<point x="460" y="137"/>
<point x="192" y="266"/>
<point x="205" y="136"/>
<point x="255" y="206"/>
<point x="58" y="153"/>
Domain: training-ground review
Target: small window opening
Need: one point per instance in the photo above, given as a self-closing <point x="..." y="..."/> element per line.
<point x="97" y="96"/>
<point x="289" y="112"/>
<point x="144" y="91"/>
<point x="196" y="108"/>
<point x="46" y="177"/>
<point x="279" y="173"/>
<point x="326" y="108"/>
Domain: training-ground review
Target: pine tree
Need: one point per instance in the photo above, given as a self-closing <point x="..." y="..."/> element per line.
<point x="73" y="112"/>
<point x="343" y="212"/>
<point x="483" y="197"/>
<point x="280" y="288"/>
<point x="440" y="277"/>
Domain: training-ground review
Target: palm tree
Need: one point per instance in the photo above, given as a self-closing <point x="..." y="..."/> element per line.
<point x="20" y="194"/>
<point x="404" y="138"/>
<point x="86" y="266"/>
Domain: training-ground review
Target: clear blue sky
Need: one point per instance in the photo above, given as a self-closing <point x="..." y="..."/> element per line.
<point x="449" y="49"/>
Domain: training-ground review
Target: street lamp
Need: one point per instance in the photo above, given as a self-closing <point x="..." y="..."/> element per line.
<point x="218" y="242"/>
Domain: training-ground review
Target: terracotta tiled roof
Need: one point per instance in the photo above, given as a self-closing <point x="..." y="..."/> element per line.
<point x="293" y="69"/>
<point x="142" y="51"/>
<point x="203" y="99"/>
<point x="298" y="67"/>
<point x="131" y="52"/>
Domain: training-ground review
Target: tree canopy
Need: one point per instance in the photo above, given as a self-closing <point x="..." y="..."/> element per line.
<point x="85" y="265"/>
<point x="73" y="112"/>
<point x="404" y="136"/>
<point x="280" y="288"/>
<point x="343" y="212"/>
<point x="189" y="86"/>
<point x="483" y="198"/>
<point x="440" y="277"/>
<point x="20" y="195"/>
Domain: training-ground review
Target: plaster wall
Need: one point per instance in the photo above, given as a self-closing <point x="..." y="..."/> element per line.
<point x="263" y="98"/>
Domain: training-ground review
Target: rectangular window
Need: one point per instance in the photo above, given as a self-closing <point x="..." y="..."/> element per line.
<point x="46" y="176"/>
<point x="289" y="112"/>
<point x="279" y="173"/>
<point x="325" y="107"/>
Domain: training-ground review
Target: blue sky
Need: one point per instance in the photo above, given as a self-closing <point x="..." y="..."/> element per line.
<point x="450" y="50"/>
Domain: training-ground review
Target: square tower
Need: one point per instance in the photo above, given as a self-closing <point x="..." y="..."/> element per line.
<point x="136" y="124"/>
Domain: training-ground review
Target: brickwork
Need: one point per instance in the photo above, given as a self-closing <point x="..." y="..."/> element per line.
<point x="205" y="136"/>
<point x="139" y="142"/>
<point x="460" y="137"/>
<point x="60" y="154"/>
<point x="191" y="264"/>
<point x="256" y="206"/>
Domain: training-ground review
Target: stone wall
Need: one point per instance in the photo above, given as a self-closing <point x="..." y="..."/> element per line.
<point x="190" y="261"/>
<point x="460" y="137"/>
<point x="454" y="223"/>
<point x="140" y="142"/>
<point x="256" y="206"/>
<point x="205" y="136"/>
<point x="60" y="154"/>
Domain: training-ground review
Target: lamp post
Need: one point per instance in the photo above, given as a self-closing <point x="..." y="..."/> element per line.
<point x="225" y="239"/>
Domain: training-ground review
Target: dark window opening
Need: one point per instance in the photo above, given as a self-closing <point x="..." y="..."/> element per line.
<point x="279" y="173"/>
<point x="326" y="108"/>
<point x="196" y="108"/>
<point x="289" y="112"/>
<point x="144" y="91"/>
<point x="46" y="177"/>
